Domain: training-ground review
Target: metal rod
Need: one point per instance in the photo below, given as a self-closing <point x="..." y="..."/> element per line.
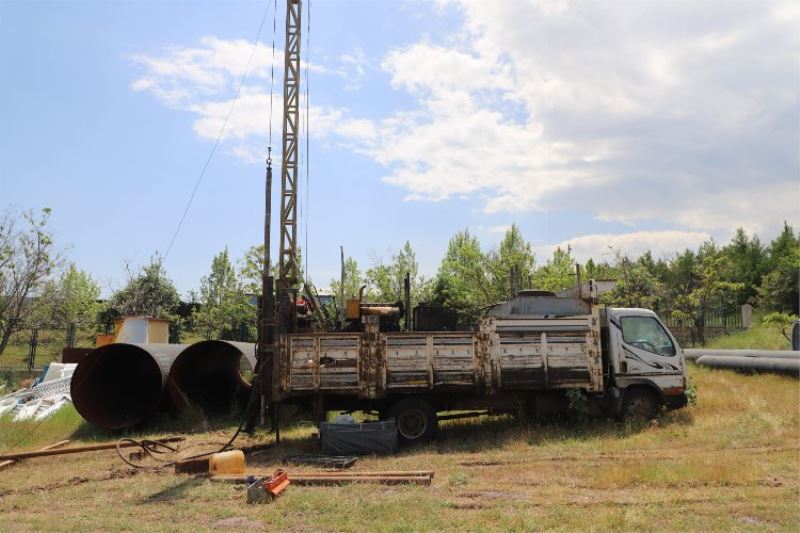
<point x="79" y="449"/>
<point x="58" y="444"/>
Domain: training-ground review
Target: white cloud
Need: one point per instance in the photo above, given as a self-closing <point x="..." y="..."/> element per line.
<point x="604" y="247"/>
<point x="676" y="113"/>
<point x="203" y="78"/>
<point x="670" y="113"/>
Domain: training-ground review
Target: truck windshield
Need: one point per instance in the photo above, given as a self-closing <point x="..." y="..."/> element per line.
<point x="646" y="333"/>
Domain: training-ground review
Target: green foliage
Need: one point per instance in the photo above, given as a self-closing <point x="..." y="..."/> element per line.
<point x="757" y="337"/>
<point x="462" y="282"/>
<point x="557" y="273"/>
<point x="225" y="306"/>
<point x="148" y="293"/>
<point x="779" y="289"/>
<point x="746" y="263"/>
<point x="780" y="321"/>
<point x="691" y="391"/>
<point x="27" y="260"/>
<point x="353" y="280"/>
<point x="510" y="268"/>
<point x="578" y="406"/>
<point x="77" y="296"/>
<point x="637" y="284"/>
<point x="385" y="281"/>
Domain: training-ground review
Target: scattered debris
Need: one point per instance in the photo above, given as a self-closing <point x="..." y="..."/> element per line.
<point x="44" y="397"/>
<point x="268" y="488"/>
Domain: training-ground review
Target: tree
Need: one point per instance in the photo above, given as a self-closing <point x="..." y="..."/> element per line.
<point x="462" y="282"/>
<point x="353" y="280"/>
<point x="148" y="293"/>
<point x="251" y="267"/>
<point x="27" y="259"/>
<point x="76" y="300"/>
<point x="747" y="261"/>
<point x="698" y="284"/>
<point x="225" y="306"/>
<point x="385" y="281"/>
<point x="558" y="273"/>
<point x="637" y="285"/>
<point x="511" y="266"/>
<point x="783" y="322"/>
<point x="779" y="290"/>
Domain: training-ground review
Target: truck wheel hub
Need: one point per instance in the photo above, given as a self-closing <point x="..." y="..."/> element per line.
<point x="412" y="423"/>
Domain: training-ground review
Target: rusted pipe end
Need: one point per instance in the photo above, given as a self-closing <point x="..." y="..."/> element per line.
<point x="208" y="375"/>
<point x="117" y="385"/>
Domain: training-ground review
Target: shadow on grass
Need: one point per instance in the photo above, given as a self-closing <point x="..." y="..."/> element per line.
<point x="174" y="492"/>
<point x="489" y="433"/>
<point x="161" y="423"/>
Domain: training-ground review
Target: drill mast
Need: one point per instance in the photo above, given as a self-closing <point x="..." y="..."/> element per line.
<point x="288" y="271"/>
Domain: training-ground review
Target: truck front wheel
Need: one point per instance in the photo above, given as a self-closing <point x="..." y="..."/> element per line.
<point x="416" y="420"/>
<point x="640" y="404"/>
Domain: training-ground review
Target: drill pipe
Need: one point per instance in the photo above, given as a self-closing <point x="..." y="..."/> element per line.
<point x="695" y="353"/>
<point x="208" y="375"/>
<point x="119" y="385"/>
<point x="750" y="364"/>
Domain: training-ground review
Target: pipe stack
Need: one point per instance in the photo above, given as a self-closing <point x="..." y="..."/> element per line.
<point x="119" y="385"/>
<point x="775" y="361"/>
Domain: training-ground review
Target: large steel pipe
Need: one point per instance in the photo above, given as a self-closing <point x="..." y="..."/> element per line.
<point x="694" y="353"/>
<point x="760" y="364"/>
<point x="119" y="385"/>
<point x="208" y="375"/>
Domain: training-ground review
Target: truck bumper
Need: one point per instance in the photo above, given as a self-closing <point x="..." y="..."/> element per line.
<point x="676" y="401"/>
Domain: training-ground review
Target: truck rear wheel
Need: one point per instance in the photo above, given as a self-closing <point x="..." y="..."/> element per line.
<point x="416" y="420"/>
<point x="640" y="404"/>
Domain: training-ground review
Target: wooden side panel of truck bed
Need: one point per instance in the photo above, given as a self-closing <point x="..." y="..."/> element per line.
<point x="507" y="353"/>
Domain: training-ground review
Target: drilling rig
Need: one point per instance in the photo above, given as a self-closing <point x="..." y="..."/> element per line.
<point x="521" y="357"/>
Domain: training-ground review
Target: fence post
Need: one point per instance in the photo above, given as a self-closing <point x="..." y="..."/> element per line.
<point x="32" y="348"/>
<point x="747" y="316"/>
<point x="71" y="336"/>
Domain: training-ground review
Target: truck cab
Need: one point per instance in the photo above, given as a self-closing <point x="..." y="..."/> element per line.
<point x="644" y="364"/>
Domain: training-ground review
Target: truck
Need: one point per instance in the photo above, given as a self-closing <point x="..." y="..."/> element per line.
<point x="522" y="356"/>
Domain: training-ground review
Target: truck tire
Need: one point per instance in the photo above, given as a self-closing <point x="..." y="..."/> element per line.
<point x="640" y="404"/>
<point x="416" y="420"/>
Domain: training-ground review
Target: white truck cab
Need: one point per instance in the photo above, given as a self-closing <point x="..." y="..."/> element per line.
<point x="646" y="366"/>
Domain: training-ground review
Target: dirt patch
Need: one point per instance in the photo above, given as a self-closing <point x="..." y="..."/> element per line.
<point x="483" y="463"/>
<point x="238" y="523"/>
<point x="751" y="520"/>
<point x="492" y="495"/>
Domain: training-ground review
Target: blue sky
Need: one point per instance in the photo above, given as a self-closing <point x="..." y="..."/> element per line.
<point x="602" y="125"/>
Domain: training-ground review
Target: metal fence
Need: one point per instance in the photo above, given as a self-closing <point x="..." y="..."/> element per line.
<point x="41" y="343"/>
<point x="724" y="317"/>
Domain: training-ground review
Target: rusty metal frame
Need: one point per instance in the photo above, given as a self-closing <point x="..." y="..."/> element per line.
<point x="288" y="271"/>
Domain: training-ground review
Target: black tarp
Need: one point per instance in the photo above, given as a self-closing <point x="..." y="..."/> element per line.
<point x="358" y="439"/>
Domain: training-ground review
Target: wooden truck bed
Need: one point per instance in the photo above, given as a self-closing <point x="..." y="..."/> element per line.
<point x="514" y="352"/>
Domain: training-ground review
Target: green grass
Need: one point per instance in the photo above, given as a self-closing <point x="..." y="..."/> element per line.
<point x="729" y="462"/>
<point x="755" y="338"/>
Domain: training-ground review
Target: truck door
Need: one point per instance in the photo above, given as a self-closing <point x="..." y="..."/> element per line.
<point x="646" y="349"/>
